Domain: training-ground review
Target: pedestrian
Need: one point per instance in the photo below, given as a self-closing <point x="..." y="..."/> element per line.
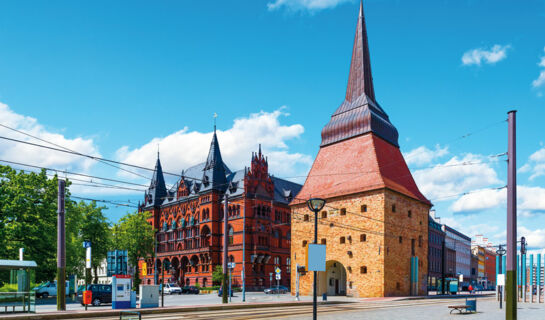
<point x="470" y="288"/>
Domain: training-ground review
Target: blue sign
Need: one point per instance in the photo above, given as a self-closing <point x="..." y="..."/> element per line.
<point x="87" y="244"/>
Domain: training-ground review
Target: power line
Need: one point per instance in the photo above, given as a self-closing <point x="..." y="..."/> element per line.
<point x="105" y="201"/>
<point x="65" y="148"/>
<point x="73" y="173"/>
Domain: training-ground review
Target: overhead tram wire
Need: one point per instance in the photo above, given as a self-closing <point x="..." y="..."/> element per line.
<point x="105" y="201"/>
<point x="68" y="149"/>
<point x="72" y="173"/>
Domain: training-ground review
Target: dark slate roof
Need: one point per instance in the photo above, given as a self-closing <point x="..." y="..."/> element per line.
<point x="157" y="191"/>
<point x="360" y="113"/>
<point x="214" y="175"/>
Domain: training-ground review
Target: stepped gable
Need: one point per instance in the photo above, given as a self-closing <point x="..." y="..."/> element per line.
<point x="359" y="150"/>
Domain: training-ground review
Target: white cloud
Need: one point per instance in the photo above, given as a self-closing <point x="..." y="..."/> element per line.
<point x="455" y="176"/>
<point x="19" y="152"/>
<point x="480" y="55"/>
<point x="186" y="148"/>
<point x="540" y="81"/>
<point x="535" y="165"/>
<point x="530" y="200"/>
<point x="479" y="200"/>
<point x="422" y="155"/>
<point x="312" y="5"/>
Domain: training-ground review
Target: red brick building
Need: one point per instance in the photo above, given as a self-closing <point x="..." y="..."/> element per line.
<point x="189" y="221"/>
<point x="375" y="221"/>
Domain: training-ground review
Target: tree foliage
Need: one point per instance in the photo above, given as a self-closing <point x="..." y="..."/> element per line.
<point x="217" y="275"/>
<point x="28" y="219"/>
<point x="134" y="234"/>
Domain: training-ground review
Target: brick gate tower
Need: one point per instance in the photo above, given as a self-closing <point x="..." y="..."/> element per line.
<point x="375" y="222"/>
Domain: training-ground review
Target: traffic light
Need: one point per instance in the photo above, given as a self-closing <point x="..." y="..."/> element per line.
<point x="522" y="245"/>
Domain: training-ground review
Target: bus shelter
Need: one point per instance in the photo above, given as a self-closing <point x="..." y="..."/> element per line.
<point x="15" y="293"/>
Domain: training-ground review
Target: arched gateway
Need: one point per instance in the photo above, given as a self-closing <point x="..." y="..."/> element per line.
<point x="333" y="280"/>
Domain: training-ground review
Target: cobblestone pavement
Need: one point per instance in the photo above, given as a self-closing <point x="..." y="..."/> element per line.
<point x="487" y="309"/>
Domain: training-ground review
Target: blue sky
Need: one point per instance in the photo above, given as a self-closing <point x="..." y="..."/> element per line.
<point x="118" y="78"/>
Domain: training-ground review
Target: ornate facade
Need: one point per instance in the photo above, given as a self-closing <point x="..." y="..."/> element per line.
<point x="375" y="222"/>
<point x="189" y="221"/>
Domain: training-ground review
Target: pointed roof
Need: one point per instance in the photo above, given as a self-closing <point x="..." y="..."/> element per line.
<point x="157" y="189"/>
<point x="360" y="113"/>
<point x="214" y="172"/>
<point x="360" y="79"/>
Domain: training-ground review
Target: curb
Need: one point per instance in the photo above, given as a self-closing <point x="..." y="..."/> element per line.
<point x="116" y="313"/>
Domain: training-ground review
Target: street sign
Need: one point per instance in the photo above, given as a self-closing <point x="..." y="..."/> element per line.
<point x="277" y="270"/>
<point x="231" y="265"/>
<point x="144" y="269"/>
<point x="461" y="278"/>
<point x="87" y="244"/>
<point x="88" y="258"/>
<point x="278" y="276"/>
<point x="315" y="257"/>
<point x="501" y="279"/>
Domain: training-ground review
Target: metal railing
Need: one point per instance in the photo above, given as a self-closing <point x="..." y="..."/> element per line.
<point x="17" y="302"/>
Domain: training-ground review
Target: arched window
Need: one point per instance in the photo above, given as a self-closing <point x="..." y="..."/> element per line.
<point x="275" y="234"/>
<point x="231" y="233"/>
<point x="288" y="265"/>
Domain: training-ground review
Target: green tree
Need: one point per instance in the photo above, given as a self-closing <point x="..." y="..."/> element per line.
<point x="95" y="227"/>
<point x="134" y="234"/>
<point x="217" y="275"/>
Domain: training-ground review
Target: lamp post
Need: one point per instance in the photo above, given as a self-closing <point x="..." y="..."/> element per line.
<point x="315" y="205"/>
<point x="501" y="251"/>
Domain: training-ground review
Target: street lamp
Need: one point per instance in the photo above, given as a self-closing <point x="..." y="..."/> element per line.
<point x="315" y="205"/>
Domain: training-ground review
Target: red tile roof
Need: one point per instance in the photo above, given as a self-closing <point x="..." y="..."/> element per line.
<point x="359" y="164"/>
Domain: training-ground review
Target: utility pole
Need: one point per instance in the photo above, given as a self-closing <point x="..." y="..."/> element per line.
<point x="61" y="249"/>
<point x="511" y="268"/>
<point x="225" y="250"/>
<point x="244" y="251"/>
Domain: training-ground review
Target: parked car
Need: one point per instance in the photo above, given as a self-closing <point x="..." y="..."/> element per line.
<point x="172" y="288"/>
<point x="276" y="289"/>
<point x="102" y="293"/>
<point x="49" y="289"/>
<point x="190" y="290"/>
<point x="220" y="292"/>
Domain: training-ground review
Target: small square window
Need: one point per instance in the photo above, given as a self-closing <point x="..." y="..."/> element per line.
<point x="410" y="214"/>
<point x="343" y="212"/>
<point x="343" y="240"/>
<point x="324" y="241"/>
<point x="363" y="269"/>
<point x="364" y="208"/>
<point x="363" y="237"/>
<point x="304" y="243"/>
<point x="400" y="239"/>
<point x="324" y="214"/>
<point x="305" y="218"/>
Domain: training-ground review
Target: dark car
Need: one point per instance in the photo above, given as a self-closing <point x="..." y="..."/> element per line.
<point x="220" y="292"/>
<point x="276" y="289"/>
<point x="190" y="290"/>
<point x="102" y="293"/>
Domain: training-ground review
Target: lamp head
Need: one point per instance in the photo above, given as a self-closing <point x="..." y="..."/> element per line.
<point x="315" y="204"/>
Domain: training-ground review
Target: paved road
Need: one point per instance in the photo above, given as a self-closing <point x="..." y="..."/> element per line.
<point x="488" y="309"/>
<point x="191" y="300"/>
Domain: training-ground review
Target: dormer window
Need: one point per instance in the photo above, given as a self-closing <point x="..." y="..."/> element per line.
<point x="205" y="180"/>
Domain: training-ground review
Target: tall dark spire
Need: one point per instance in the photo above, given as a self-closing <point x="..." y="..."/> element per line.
<point x="157" y="189"/>
<point x="360" y="80"/>
<point x="215" y="169"/>
<point x="360" y="113"/>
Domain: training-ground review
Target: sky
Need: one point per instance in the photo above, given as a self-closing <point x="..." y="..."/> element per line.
<point x="122" y="79"/>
